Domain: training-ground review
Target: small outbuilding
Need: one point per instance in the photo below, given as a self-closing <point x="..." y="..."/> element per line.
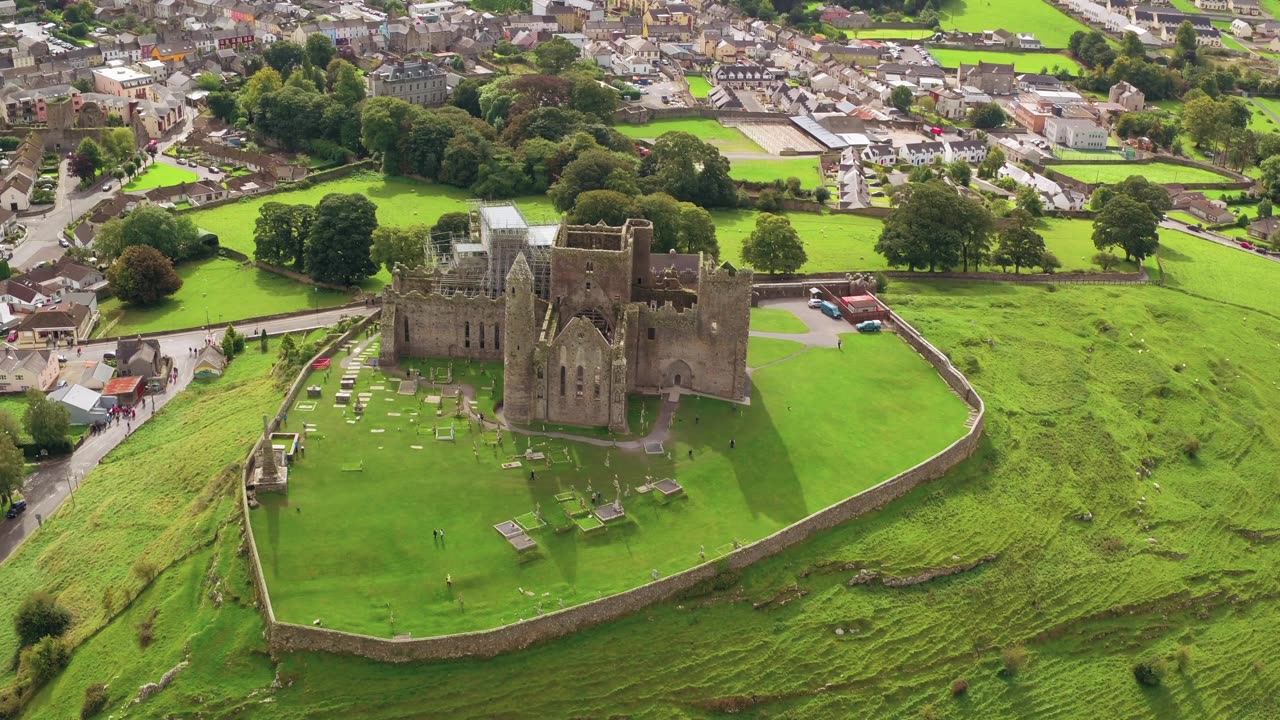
<point x="84" y="405"/>
<point x="127" y="390"/>
<point x="210" y="363"/>
<point x="864" y="307"/>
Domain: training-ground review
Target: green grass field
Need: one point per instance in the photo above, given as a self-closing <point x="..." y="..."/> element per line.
<point x="160" y="175"/>
<point x="699" y="87"/>
<point x="216" y="291"/>
<point x="891" y="33"/>
<point x="1211" y="270"/>
<point x="1022" y="62"/>
<point x="776" y="320"/>
<point x="762" y="351"/>
<point x="727" y="139"/>
<point x="1046" y="22"/>
<point x="355" y="569"/>
<point x="1157" y="172"/>
<point x="764" y="171"/>
<point x="1188" y="569"/>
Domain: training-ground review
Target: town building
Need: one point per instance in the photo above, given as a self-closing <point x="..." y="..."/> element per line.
<point x="23" y="370"/>
<point x="415" y="81"/>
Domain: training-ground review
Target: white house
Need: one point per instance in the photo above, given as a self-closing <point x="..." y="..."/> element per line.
<point x="631" y="65"/>
<point x="970" y="151"/>
<point x="1075" y="133"/>
<point x="1055" y="195"/>
<point x="883" y="155"/>
<point x="922" y="153"/>
<point x="822" y="82"/>
<point x="1240" y="28"/>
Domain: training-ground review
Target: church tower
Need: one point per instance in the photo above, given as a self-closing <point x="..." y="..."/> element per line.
<point x="520" y="334"/>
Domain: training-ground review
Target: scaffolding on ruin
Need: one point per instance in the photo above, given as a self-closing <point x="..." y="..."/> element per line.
<point x="476" y="262"/>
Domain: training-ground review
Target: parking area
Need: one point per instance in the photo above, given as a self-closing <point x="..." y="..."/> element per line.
<point x="776" y="138"/>
<point x="676" y="92"/>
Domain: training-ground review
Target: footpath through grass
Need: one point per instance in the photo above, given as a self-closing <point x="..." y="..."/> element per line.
<point x="1074" y="408"/>
<point x="216" y="291"/>
<point x="330" y="550"/>
<point x="160" y="175"/>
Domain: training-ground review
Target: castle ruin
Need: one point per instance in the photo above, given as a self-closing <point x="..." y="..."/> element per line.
<point x="580" y="315"/>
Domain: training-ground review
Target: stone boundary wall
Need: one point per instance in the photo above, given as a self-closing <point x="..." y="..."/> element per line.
<point x="241" y="323"/>
<point x="291" y="637"/>
<point x="1232" y="180"/>
<point x="767" y="282"/>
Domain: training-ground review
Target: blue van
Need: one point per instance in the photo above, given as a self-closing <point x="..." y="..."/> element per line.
<point x="828" y="308"/>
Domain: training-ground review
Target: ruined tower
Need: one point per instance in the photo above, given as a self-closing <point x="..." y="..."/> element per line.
<point x="521" y="327"/>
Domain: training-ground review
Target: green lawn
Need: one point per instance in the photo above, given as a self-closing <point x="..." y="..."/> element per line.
<point x="355" y="569"/>
<point x="762" y="351"/>
<point x="727" y="139"/>
<point x="1265" y="122"/>
<point x="1046" y="22"/>
<point x="777" y="320"/>
<point x="1157" y="172"/>
<point x="1212" y="270"/>
<point x="220" y="290"/>
<point x="873" y="33"/>
<point x="160" y="175"/>
<point x="764" y="171"/>
<point x="400" y="201"/>
<point x="1022" y="62"/>
<point x="1065" y="153"/>
<point x="698" y="86"/>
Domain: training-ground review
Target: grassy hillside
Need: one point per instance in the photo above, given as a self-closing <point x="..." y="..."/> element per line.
<point x="1084" y="384"/>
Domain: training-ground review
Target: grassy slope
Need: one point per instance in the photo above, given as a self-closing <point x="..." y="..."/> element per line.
<point x="699" y="87"/>
<point x="762" y="351"/>
<point x="1073" y="409"/>
<point x="226" y="289"/>
<point x="1046" y="22"/>
<point x="784" y="468"/>
<point x="160" y="175"/>
<point x="1155" y="172"/>
<point x="1207" y="269"/>
<point x="1022" y="62"/>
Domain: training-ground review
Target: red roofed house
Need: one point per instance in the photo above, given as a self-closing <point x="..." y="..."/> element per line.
<point x="126" y="390"/>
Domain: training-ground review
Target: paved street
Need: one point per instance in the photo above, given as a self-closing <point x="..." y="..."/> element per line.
<point x="1213" y="237"/>
<point x="48" y="488"/>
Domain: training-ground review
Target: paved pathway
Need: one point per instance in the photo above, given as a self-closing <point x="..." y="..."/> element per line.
<point x="46" y="489"/>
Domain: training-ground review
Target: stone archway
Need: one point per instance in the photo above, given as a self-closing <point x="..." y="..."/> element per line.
<point x="678" y="374"/>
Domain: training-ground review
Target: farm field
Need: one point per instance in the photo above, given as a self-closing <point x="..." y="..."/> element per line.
<point x="160" y="175"/>
<point x="1272" y="104"/>
<point x="699" y="87"/>
<point x="727" y="139"/>
<point x="1157" y="172"/>
<point x="765" y="171"/>
<point x="1022" y="62"/>
<point x="357" y="571"/>
<point x="216" y="291"/>
<point x="1227" y="274"/>
<point x="1073" y="407"/>
<point x="1046" y="22"/>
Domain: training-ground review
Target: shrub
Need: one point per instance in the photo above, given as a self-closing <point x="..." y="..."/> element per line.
<point x="145" y="570"/>
<point x="146" y="629"/>
<point x="41" y="662"/>
<point x="1150" y="672"/>
<point x="882" y="283"/>
<point x="1182" y="657"/>
<point x="959" y="686"/>
<point x="40" y="616"/>
<point x="95" y="699"/>
<point x="1191" y="447"/>
<point x="1014" y="659"/>
<point x="1106" y="261"/>
<point x="1049" y="262"/>
<point x="821" y="194"/>
<point x="770" y="201"/>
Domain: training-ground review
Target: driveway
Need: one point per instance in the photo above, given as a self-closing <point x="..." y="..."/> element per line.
<point x="823" y="331"/>
<point x="47" y="488"/>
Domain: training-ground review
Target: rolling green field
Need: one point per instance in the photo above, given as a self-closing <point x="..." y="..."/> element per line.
<point x="1156" y="172"/>
<point x="1227" y="274"/>
<point x="1046" y="22"/>
<point x="776" y="320"/>
<point x="160" y="175"/>
<point x="1022" y="62"/>
<point x="699" y="87"/>
<point x="216" y="291"/>
<point x="874" y="33"/>
<point x="762" y="350"/>
<point x="358" y="570"/>
<point x="727" y="139"/>
<point x="1082" y="385"/>
<point x="764" y="171"/>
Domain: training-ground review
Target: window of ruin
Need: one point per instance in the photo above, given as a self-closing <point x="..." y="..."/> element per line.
<point x="406" y="328"/>
<point x="482" y="335"/>
<point x="561" y="381"/>
<point x="497" y="335"/>
<point x="597" y="390"/>
<point x="588" y="284"/>
<point x="653" y="333"/>
<point x="715" y="328"/>
<point x="578" y="384"/>
<point x="539" y="373"/>
<point x="591" y="267"/>
<point x="466" y="329"/>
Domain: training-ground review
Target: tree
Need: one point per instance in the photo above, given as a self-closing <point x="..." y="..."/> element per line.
<point x="1019" y="243"/>
<point x="960" y="172"/>
<point x="1029" y="199"/>
<point x="1185" y="40"/>
<point x="821" y="194"/>
<point x="263" y="82"/>
<point x="281" y="232"/>
<point x="283" y="56"/>
<point x="689" y="169"/>
<point x="80" y="12"/>
<point x="13" y="467"/>
<point x="1270" y="177"/>
<point x="986" y="116"/>
<point x="175" y="236"/>
<point x="382" y="122"/>
<point x="1105" y="260"/>
<point x="590" y="97"/>
<point x="991" y="164"/>
<point x="223" y="106"/>
<point x="348" y="88"/>
<point x="1127" y="224"/>
<point x="40" y="616"/>
<point x="452" y="223"/>
<point x="932" y="226"/>
<point x="594" y="170"/>
<point x="319" y="49"/>
<point x="118" y="144"/>
<point x="1264" y="208"/>
<point x="83" y="167"/>
<point x="697" y="231"/>
<point x="46" y="421"/>
<point x="90" y="149"/>
<point x="467" y="95"/>
<point x="1048" y="262"/>
<point x="555" y="55"/>
<point x="142" y="275"/>
<point x="902" y="98"/>
<point x="400" y="245"/>
<point x="338" y="250"/>
<point x="774" y="246"/>
<point x="208" y="82"/>
<point x="1131" y="46"/>
<point x="607" y="206"/>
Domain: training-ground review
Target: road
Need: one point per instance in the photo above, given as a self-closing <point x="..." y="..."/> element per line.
<point x="47" y="488"/>
<point x="43" y="231"/>
<point x="1213" y="237"/>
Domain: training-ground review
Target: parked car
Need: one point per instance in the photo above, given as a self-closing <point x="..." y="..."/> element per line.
<point x="1260" y="250"/>
<point x="1246" y="244"/>
<point x="17" y="508"/>
<point x="830" y="310"/>
<point x="63" y="242"/>
<point x="215" y="169"/>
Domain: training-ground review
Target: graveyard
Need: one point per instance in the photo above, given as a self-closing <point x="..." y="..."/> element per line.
<point x="532" y="523"/>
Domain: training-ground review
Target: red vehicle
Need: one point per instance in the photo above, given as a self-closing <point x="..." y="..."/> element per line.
<point x="1246" y="245"/>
